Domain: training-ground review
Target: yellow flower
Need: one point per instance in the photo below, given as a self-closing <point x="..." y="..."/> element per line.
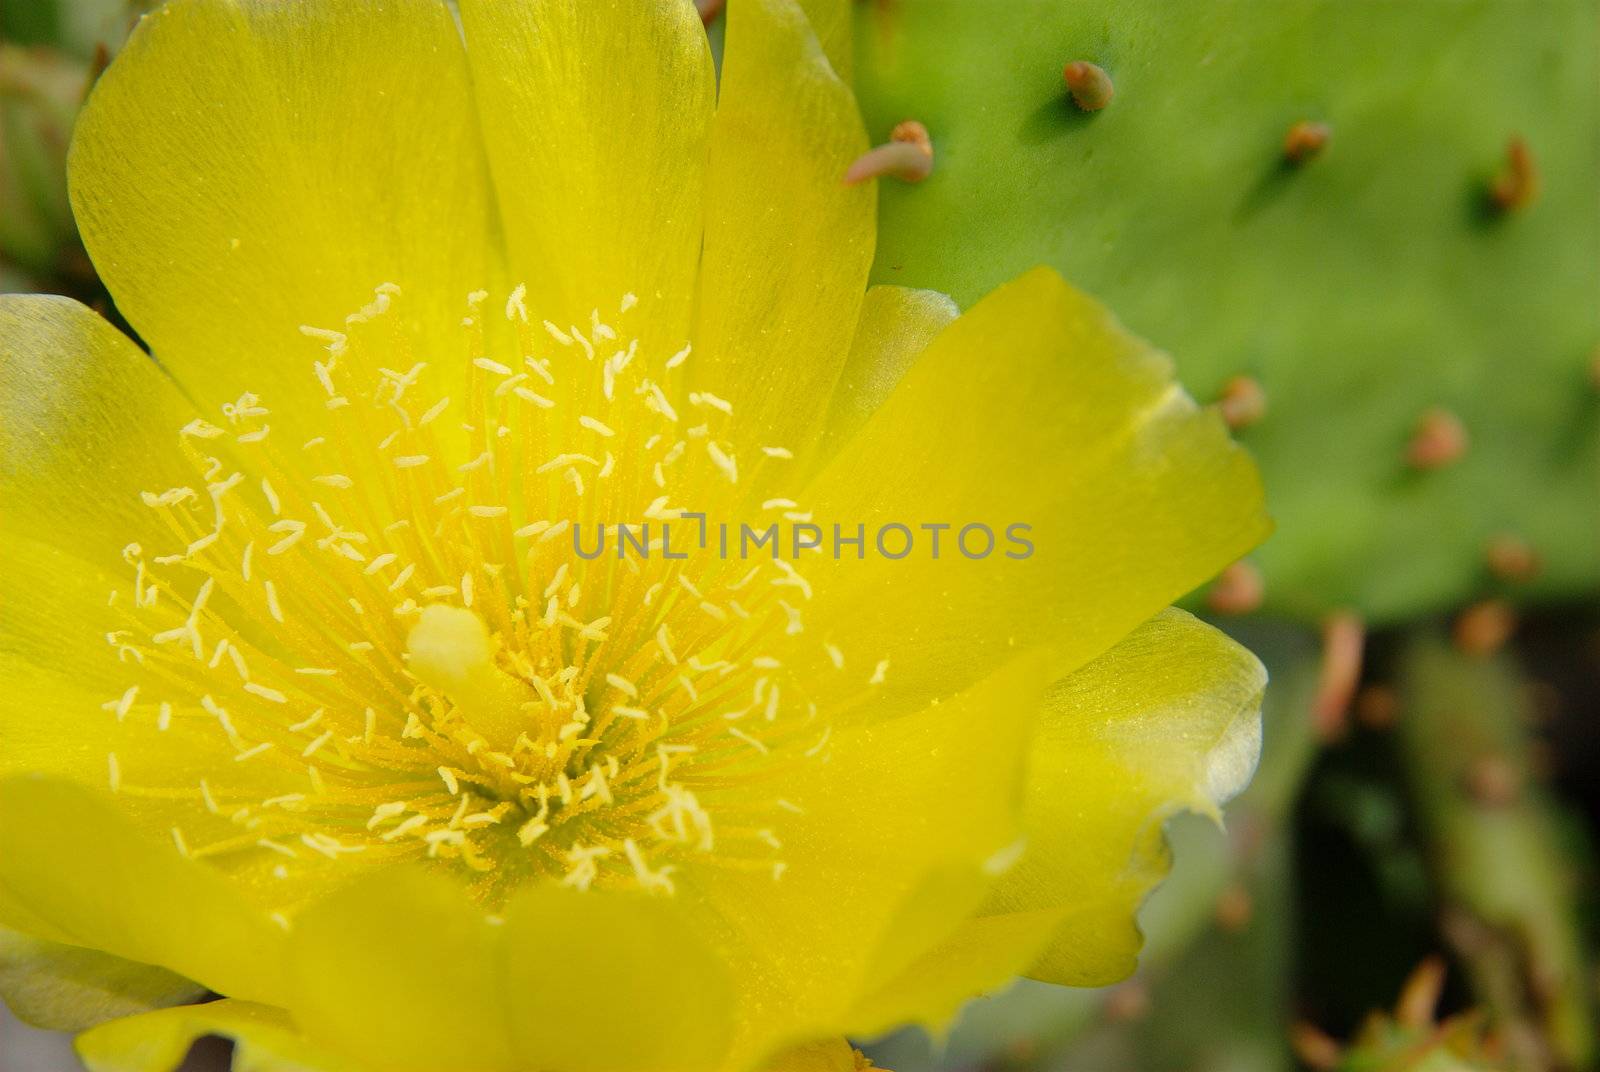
<point x="309" y="699"/>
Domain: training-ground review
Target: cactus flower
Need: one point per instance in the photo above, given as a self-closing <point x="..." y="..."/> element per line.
<point x="315" y="696"/>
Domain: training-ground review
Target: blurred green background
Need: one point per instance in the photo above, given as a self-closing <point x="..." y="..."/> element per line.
<point x="1405" y="328"/>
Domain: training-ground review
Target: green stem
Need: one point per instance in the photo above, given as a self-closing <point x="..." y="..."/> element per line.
<point x="1495" y="850"/>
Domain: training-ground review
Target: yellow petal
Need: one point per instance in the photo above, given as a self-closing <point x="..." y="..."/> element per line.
<point x="897" y="324"/>
<point x="829" y="1055"/>
<point x="405" y="972"/>
<point x="69" y="988"/>
<point x="883" y="847"/>
<point x="87" y="421"/>
<point x="787" y="244"/>
<point x="73" y="860"/>
<point x="979" y="956"/>
<point x="265" y="1040"/>
<point x="58" y="669"/>
<point x="402" y="972"/>
<point x="70" y="709"/>
<point x="948" y="895"/>
<point x="596" y="115"/>
<point x="600" y="981"/>
<point x="1168" y="719"/>
<point x="831" y="22"/>
<point x="246" y="168"/>
<point x="1033" y="409"/>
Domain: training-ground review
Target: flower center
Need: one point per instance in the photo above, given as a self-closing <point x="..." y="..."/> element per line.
<point x="381" y="641"/>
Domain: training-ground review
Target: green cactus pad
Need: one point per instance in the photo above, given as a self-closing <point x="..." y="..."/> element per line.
<point x="1361" y="288"/>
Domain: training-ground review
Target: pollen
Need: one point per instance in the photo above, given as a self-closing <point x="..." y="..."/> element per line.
<point x="374" y="635"/>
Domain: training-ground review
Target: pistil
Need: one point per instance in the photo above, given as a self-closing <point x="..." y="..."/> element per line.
<point x="450" y="650"/>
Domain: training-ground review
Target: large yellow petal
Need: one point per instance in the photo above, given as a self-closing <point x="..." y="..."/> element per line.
<point x="402" y="972"/>
<point x="405" y="972"/>
<point x="596" y="114"/>
<point x="897" y="324"/>
<point x="69" y="988"/>
<point x="787" y="244"/>
<point x="1167" y="720"/>
<point x="246" y="168"/>
<point x="1036" y="409"/>
<point x="885" y="845"/>
<point x="87" y="421"/>
<point x="831" y="21"/>
<point x="265" y="1040"/>
<point x="73" y="860"/>
<point x="67" y="710"/>
<point x="829" y="1055"/>
<point x="64" y="686"/>
<point x="613" y="982"/>
<point x="979" y="956"/>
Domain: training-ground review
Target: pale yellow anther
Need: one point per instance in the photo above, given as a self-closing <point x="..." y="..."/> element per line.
<point x="450" y="650"/>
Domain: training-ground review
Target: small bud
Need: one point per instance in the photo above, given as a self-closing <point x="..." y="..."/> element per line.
<point x="1511" y="559"/>
<point x="1237" y="590"/>
<point x="1089" y="85"/>
<point x="1344" y="638"/>
<point x="1517" y="185"/>
<point x="907" y="156"/>
<point x="1242" y="402"/>
<point x="1440" y="439"/>
<point x="1483" y="628"/>
<point x="1304" y="141"/>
